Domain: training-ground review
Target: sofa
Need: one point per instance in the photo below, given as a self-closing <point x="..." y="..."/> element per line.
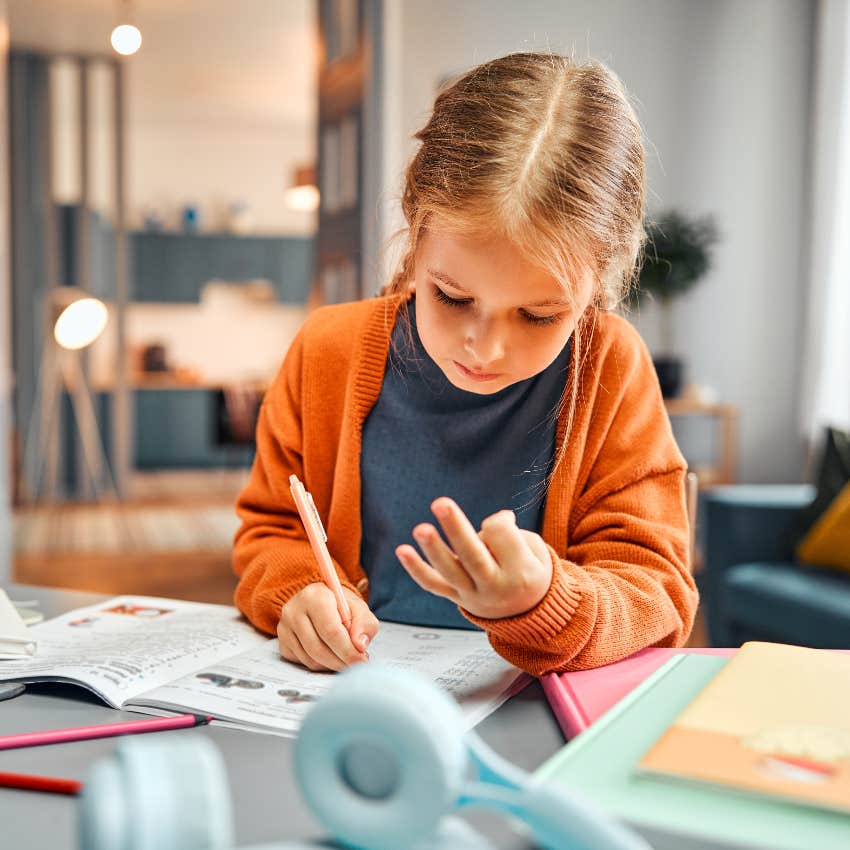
<point x="752" y="586"/>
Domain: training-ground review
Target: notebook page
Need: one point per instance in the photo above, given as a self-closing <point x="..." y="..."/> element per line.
<point x="257" y="689"/>
<point x="125" y="646"/>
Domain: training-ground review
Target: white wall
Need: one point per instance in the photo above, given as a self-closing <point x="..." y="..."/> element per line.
<point x="258" y="334"/>
<point x="222" y="108"/>
<point x="721" y="89"/>
<point x="221" y="104"/>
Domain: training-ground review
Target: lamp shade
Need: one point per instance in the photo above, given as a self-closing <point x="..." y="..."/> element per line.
<point x="80" y="323"/>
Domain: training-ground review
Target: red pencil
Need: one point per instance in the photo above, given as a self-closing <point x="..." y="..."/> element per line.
<point x="106" y="730"/>
<point x="40" y="783"/>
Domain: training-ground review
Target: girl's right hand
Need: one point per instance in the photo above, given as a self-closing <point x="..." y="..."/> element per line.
<point x="311" y="633"/>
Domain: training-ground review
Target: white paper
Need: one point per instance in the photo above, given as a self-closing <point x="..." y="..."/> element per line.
<point x="260" y="690"/>
<point x="129" y="644"/>
<point x="16" y="640"/>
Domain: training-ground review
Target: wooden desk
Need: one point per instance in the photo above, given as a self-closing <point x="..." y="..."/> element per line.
<point x="724" y="470"/>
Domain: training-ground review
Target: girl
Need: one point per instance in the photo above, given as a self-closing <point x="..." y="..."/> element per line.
<point x="491" y="383"/>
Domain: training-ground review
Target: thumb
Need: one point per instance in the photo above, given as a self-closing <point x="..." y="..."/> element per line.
<point x="364" y="625"/>
<point x="537" y="545"/>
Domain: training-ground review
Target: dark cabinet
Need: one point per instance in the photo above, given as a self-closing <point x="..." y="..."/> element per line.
<point x="176" y="428"/>
<point x="173" y="267"/>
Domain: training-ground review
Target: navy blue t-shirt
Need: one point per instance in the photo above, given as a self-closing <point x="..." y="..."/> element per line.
<point x="425" y="438"/>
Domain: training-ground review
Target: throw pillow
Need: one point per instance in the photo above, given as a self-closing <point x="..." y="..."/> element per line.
<point x="825" y="524"/>
<point x="828" y="542"/>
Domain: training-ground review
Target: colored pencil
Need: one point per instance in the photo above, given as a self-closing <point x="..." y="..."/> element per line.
<point x="106" y="730"/>
<point x="50" y="784"/>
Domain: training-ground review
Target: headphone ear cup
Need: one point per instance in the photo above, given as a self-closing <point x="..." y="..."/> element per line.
<point x="381" y="758"/>
<point x="166" y="792"/>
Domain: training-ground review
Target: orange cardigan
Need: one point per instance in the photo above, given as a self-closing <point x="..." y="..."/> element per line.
<point x="614" y="519"/>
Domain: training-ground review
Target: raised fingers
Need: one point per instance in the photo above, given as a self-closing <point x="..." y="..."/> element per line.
<point x="424" y="574"/>
<point x="441" y="558"/>
<point x="464" y="540"/>
<point x="503" y="539"/>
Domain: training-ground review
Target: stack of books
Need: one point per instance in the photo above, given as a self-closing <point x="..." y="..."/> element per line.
<point x="748" y="752"/>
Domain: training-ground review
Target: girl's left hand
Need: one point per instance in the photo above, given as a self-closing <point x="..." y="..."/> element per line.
<point x="500" y="571"/>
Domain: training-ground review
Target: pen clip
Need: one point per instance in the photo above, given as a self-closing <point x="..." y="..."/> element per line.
<point x="318" y="518"/>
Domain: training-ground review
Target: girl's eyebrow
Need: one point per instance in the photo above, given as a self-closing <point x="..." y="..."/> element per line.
<point x="446" y="279"/>
<point x="549" y="302"/>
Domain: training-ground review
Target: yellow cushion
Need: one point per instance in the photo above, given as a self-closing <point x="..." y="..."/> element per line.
<point x="828" y="542"/>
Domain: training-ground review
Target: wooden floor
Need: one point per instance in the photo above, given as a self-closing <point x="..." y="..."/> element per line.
<point x="130" y="527"/>
<point x="172" y="539"/>
<point x="203" y="576"/>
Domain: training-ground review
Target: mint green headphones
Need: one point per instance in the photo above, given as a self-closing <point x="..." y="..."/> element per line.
<point x="382" y="760"/>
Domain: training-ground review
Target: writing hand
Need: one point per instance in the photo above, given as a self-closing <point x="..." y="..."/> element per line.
<point x="500" y="571"/>
<point x="310" y="632"/>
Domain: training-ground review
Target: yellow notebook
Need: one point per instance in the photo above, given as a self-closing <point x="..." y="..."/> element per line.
<point x="775" y="720"/>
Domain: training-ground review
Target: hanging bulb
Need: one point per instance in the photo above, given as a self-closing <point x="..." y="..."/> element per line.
<point x="302" y="198"/>
<point x="126" y="39"/>
<point x="303" y="194"/>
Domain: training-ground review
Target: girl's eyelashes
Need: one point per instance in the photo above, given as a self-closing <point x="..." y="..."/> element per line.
<point x="443" y="298"/>
<point x="541" y="320"/>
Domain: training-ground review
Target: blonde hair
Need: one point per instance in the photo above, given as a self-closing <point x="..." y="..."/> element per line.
<point x="547" y="153"/>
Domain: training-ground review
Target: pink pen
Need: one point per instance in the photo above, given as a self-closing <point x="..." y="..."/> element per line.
<point x="317" y="537"/>
<point x="105" y="730"/>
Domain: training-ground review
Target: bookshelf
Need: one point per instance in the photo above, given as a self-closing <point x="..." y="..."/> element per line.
<point x="724" y="468"/>
<point x="347" y="125"/>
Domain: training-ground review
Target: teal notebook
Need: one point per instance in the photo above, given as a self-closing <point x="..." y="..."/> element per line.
<point x="672" y="814"/>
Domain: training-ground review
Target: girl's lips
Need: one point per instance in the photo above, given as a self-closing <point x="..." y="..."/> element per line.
<point x="477" y="376"/>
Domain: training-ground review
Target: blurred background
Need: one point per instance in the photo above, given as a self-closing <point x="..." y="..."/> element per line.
<point x="244" y="164"/>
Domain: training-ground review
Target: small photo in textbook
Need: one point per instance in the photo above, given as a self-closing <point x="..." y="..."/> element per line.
<point x="774" y="721"/>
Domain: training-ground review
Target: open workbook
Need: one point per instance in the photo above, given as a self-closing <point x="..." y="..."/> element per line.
<point x="169" y="656"/>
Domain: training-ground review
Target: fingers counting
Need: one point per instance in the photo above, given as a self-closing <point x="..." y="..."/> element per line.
<point x="499" y="571"/>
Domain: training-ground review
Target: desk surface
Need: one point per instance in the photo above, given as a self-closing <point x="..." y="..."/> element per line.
<point x="266" y="804"/>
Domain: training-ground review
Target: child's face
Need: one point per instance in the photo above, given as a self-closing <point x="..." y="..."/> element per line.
<point x="486" y="316"/>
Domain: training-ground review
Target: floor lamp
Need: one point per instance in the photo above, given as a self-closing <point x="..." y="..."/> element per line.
<point x="76" y="320"/>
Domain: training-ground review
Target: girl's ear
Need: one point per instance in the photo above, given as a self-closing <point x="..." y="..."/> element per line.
<point x="411" y="290"/>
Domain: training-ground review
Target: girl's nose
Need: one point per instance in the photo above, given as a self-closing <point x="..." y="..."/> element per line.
<point x="485" y="342"/>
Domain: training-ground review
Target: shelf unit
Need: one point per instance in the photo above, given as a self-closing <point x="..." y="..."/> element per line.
<point x="724" y="469"/>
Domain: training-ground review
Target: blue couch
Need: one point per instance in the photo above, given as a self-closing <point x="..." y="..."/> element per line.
<point x="752" y="587"/>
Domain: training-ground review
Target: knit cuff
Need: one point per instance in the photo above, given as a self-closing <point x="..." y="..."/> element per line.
<point x="547" y="619"/>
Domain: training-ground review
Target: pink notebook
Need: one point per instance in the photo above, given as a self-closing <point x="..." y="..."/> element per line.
<point x="577" y="699"/>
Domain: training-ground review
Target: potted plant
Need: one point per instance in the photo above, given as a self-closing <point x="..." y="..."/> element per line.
<point x="676" y="257"/>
